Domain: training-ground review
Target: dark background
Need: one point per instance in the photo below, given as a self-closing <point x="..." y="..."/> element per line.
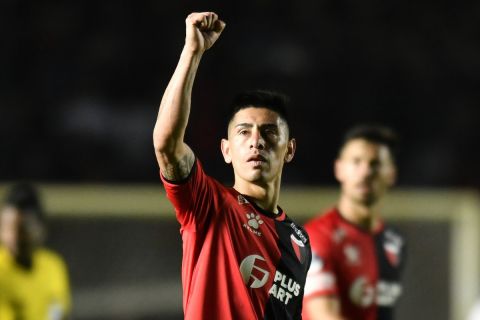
<point x="80" y="83"/>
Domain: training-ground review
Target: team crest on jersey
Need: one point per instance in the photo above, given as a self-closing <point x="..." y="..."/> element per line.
<point x="253" y="223"/>
<point x="392" y="246"/>
<point x="242" y="199"/>
<point x="298" y="248"/>
<point x="338" y="235"/>
<point x="352" y="253"/>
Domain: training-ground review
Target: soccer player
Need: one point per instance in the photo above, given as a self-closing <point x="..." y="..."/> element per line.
<point x="357" y="260"/>
<point x="33" y="280"/>
<point x="243" y="258"/>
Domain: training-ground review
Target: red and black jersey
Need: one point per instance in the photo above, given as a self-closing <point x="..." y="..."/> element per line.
<point x="239" y="261"/>
<point x="361" y="268"/>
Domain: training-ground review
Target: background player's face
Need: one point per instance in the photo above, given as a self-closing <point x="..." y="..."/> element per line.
<point x="365" y="171"/>
<point x="19" y="233"/>
<point x="257" y="145"/>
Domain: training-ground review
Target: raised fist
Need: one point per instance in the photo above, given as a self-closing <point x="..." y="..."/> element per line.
<point x="203" y="29"/>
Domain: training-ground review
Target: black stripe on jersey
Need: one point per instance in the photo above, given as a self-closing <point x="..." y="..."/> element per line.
<point x="286" y="294"/>
<point x="390" y="249"/>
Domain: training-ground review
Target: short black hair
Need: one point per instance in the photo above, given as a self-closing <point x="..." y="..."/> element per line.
<point x="275" y="101"/>
<point x="375" y="133"/>
<point x="26" y="199"/>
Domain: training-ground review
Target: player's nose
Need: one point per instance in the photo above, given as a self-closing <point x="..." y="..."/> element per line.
<point x="256" y="139"/>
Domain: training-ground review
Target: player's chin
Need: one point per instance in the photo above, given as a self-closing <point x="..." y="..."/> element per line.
<point x="257" y="176"/>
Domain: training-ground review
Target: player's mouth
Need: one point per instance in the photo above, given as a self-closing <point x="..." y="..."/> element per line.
<point x="257" y="160"/>
<point x="366" y="187"/>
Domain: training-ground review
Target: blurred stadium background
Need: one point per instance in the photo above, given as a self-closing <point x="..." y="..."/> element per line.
<point x="80" y="83"/>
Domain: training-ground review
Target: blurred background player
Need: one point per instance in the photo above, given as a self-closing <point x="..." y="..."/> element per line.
<point x="33" y="280"/>
<point x="243" y="258"/>
<point x="357" y="260"/>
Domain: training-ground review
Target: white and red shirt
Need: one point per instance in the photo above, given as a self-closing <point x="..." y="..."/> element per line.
<point x="359" y="267"/>
<point x="239" y="261"/>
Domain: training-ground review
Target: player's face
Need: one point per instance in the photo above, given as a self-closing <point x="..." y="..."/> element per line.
<point x="18" y="232"/>
<point x="257" y="145"/>
<point x="365" y="171"/>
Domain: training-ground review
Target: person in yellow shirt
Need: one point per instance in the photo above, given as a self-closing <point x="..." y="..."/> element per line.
<point x="34" y="281"/>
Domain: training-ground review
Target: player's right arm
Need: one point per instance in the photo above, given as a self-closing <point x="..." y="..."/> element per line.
<point x="174" y="157"/>
<point x="322" y="308"/>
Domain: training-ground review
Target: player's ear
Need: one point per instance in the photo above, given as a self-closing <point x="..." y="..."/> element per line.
<point x="225" y="146"/>
<point x="291" y="147"/>
<point x="392" y="175"/>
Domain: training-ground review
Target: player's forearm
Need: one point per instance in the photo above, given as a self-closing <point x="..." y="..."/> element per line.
<point x="174" y="157"/>
<point x="175" y="105"/>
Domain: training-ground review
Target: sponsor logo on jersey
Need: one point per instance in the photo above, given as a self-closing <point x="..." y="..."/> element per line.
<point x="254" y="276"/>
<point x="284" y="288"/>
<point x="253" y="223"/>
<point x="388" y="293"/>
<point x="364" y="294"/>
<point x="299" y="232"/>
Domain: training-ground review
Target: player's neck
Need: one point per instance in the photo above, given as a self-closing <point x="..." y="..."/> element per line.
<point x="265" y="195"/>
<point x="359" y="214"/>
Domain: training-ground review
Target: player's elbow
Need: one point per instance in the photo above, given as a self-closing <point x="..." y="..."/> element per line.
<point x="164" y="143"/>
<point x="162" y="146"/>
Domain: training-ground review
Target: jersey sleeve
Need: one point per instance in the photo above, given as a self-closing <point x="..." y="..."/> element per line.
<point x="321" y="279"/>
<point x="194" y="198"/>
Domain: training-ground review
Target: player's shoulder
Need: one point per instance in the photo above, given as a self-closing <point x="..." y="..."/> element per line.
<point x="204" y="183"/>
<point x="49" y="256"/>
<point x="322" y="228"/>
<point x="220" y="188"/>
<point x="327" y="220"/>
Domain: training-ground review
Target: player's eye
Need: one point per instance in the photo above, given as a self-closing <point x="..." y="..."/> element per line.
<point x="270" y="131"/>
<point x="243" y="132"/>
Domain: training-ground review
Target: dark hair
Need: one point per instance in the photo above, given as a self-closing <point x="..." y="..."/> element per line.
<point x="271" y="100"/>
<point x="25" y="198"/>
<point x="374" y="133"/>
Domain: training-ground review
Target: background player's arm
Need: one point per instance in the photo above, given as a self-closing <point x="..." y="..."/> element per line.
<point x="174" y="157"/>
<point x="323" y="308"/>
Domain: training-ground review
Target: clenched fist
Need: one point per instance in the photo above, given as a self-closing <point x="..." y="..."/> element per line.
<point x="203" y="29"/>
